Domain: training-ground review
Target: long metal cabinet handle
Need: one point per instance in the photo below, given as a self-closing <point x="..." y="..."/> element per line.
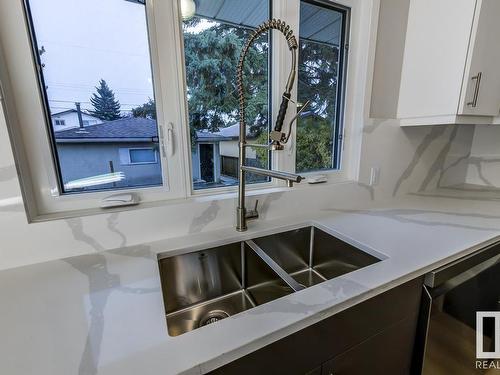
<point x="477" y="78"/>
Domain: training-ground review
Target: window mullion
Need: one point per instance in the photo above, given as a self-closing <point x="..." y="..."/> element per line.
<point x="211" y="46"/>
<point x="170" y="88"/>
<point x="288" y="11"/>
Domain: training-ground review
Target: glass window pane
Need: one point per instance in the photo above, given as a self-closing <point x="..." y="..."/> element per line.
<point x="98" y="86"/>
<point x="213" y="40"/>
<point x="142" y="156"/>
<point x="320" y="80"/>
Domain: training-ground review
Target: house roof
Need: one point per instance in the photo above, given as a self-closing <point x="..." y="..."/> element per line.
<point x="231" y="131"/>
<point x="84" y="112"/>
<point x="63" y="112"/>
<point x="127" y="129"/>
<point x="224" y="134"/>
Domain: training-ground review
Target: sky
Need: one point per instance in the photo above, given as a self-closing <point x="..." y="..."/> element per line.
<point x="85" y="41"/>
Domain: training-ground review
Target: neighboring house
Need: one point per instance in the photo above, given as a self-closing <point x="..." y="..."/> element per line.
<point x="215" y="157"/>
<point x="69" y="119"/>
<point x="128" y="145"/>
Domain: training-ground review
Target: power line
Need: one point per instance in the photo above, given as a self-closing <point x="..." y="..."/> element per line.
<point x="79" y="101"/>
<point x="125" y="90"/>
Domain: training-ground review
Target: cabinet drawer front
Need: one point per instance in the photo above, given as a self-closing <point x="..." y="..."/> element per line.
<point x="388" y="352"/>
<point x="303" y="351"/>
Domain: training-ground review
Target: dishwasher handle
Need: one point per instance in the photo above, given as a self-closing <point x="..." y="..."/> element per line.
<point x="479" y="261"/>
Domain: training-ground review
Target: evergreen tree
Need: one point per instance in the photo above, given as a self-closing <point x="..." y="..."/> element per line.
<point x="212" y="56"/>
<point x="106" y="107"/>
<point x="211" y="59"/>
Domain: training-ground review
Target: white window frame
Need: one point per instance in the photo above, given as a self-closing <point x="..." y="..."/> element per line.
<point x="25" y="113"/>
<point x="354" y="88"/>
<point x="353" y="108"/>
<point x="59" y="122"/>
<point x="31" y="143"/>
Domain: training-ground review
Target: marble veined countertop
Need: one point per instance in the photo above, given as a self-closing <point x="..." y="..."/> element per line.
<point x="103" y="313"/>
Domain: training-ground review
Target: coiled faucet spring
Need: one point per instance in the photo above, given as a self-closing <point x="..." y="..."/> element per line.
<point x="276" y="136"/>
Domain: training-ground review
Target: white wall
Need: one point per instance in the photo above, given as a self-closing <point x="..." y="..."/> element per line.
<point x="410" y="159"/>
<point x="230" y="148"/>
<point x="483" y="164"/>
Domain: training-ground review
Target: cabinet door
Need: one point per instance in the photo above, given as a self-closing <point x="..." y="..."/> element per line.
<point x="388" y="352"/>
<point x="437" y="39"/>
<point x="301" y="352"/>
<point x="481" y="86"/>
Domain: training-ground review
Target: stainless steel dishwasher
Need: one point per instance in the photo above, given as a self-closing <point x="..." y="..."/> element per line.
<point x="453" y="294"/>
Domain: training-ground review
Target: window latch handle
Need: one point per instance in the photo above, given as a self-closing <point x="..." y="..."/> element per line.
<point x="170" y="139"/>
<point x="167" y="138"/>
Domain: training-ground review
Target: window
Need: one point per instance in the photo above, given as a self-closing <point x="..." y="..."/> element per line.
<point x="212" y="43"/>
<point x="142" y="156"/>
<point x="322" y="39"/>
<point x="114" y="94"/>
<point x="101" y="73"/>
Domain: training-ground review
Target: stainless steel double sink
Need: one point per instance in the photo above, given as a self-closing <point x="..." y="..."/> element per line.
<point x="203" y="287"/>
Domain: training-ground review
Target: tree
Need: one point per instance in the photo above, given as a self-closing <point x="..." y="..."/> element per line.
<point x="211" y="59"/>
<point x="106" y="107"/>
<point x="146" y="110"/>
<point x="212" y="56"/>
<point x="318" y="72"/>
<point x="314" y="144"/>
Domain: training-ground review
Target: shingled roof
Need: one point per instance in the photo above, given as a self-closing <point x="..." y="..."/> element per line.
<point x="136" y="129"/>
<point x="228" y="133"/>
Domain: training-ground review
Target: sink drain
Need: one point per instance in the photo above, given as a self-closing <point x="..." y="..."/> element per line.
<point x="212" y="317"/>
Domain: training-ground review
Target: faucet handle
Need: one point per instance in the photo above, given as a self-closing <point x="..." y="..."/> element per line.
<point x="256" y="205"/>
<point x="278" y="138"/>
<point x="299" y="112"/>
<point x="253" y="214"/>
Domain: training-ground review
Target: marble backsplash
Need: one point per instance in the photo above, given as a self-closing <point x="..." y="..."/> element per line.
<point x="483" y="161"/>
<point x="410" y="159"/>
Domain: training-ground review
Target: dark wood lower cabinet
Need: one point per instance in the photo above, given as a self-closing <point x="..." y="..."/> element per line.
<point x="387" y="353"/>
<point x="373" y="337"/>
<point x="316" y="371"/>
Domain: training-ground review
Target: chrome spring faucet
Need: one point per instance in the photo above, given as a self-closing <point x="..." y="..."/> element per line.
<point x="277" y="137"/>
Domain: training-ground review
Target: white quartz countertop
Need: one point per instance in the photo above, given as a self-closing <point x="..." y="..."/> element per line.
<point x="103" y="313"/>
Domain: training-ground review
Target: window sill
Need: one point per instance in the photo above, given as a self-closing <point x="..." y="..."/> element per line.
<point x="208" y="196"/>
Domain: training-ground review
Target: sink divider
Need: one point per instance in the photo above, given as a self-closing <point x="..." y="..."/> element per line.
<point x="243" y="276"/>
<point x="290" y="281"/>
<point x="311" y="249"/>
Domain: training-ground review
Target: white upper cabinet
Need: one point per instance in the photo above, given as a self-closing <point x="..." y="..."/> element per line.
<point x="451" y="65"/>
<point x="481" y="86"/>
